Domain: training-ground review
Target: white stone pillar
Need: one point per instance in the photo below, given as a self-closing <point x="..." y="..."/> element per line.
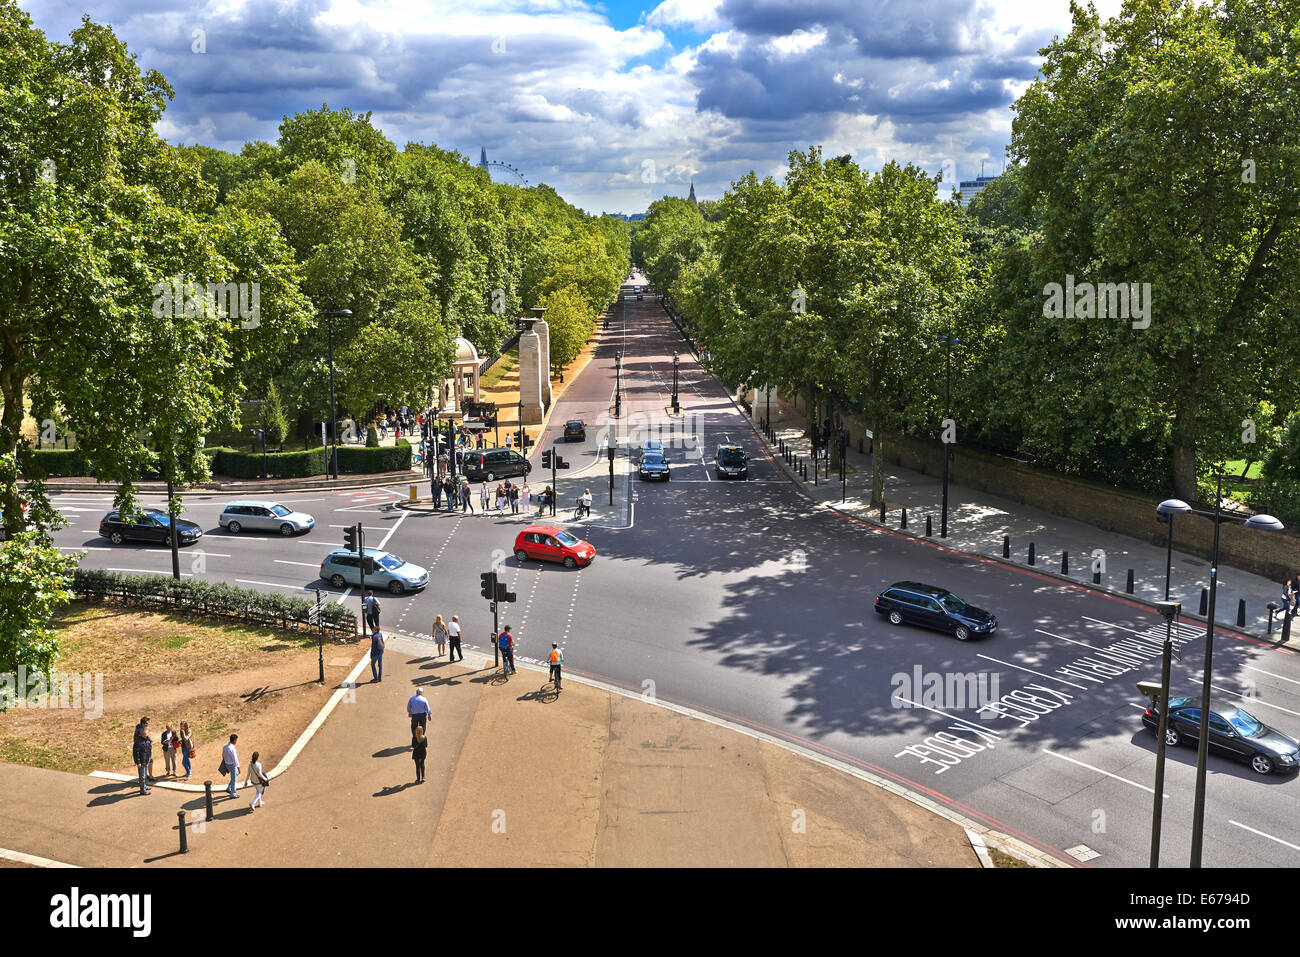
<point x="543" y="332"/>
<point x="532" y="375"/>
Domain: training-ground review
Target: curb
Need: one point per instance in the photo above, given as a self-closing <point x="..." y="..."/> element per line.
<point x="373" y="481"/>
<point x="975" y="831"/>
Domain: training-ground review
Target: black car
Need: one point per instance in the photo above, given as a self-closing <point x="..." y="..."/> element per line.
<point x="934" y="607"/>
<point x="488" y="465"/>
<point x="575" y="430"/>
<point x="640" y="297"/>
<point x="731" y="461"/>
<point x="149" y="525"/>
<point x="1233" y="732"/>
<point x="654" y="465"/>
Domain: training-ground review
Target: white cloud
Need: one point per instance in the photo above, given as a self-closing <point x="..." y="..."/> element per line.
<point x="700" y="15"/>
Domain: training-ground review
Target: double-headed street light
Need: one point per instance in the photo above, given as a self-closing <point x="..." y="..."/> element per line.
<point x="1171" y="507"/>
<point x="618" y="384"/>
<point x="329" y="316"/>
<point x="949" y="342"/>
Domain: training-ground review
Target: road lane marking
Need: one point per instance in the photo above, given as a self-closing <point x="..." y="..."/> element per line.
<point x="148" y="571"/>
<point x="1183" y="628"/>
<point x="1254" y="700"/>
<point x="281" y="561"/>
<point x="1032" y="671"/>
<point x="1100" y="771"/>
<point x="1262" y="834"/>
<point x="249" y="581"/>
<point x="1270" y="674"/>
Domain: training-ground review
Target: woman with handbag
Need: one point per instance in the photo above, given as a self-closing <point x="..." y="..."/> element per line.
<point x="257" y="777"/>
<point x="187" y="748"/>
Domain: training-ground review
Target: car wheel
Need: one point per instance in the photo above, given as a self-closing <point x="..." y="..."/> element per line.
<point x="337" y="581"/>
<point x="116" y="538"/>
<point x="1172" y="737"/>
<point x="569" y="562"/>
<point x="962" y="633"/>
<point x="521" y="555"/>
<point x="490" y="477"/>
<point x="233" y="528"/>
<point x="895" y="618"/>
<point x="396" y="587"/>
<point x="1261" y="764"/>
<point x="286" y="529"/>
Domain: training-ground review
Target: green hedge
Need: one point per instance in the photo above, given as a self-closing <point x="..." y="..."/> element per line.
<point x="248" y="465"/>
<point x="356" y="460"/>
<point x="59" y="463"/>
<point x="211" y="598"/>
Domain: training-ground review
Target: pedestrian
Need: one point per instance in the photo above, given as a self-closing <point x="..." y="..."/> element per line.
<point x="585" y="499"/>
<point x="169" y="742"/>
<point x="377" y="657"/>
<point x="1292" y="587"/>
<point x="142" y="754"/>
<point x="507" y="645"/>
<point x="449" y="489"/>
<point x="258" y="779"/>
<point x="382" y="424"/>
<point x="418" y="710"/>
<point x="545" y="500"/>
<point x="440" y="634"/>
<point x="453" y="640"/>
<point x="557" y="660"/>
<point x="466" y="494"/>
<point x="514" y="499"/>
<point x="525" y="498"/>
<point x="230" y="764"/>
<point x="508" y="440"/>
<point x="501" y="501"/>
<point x="485" y="497"/>
<point x="370" y="611"/>
<point x="187" y="748"/>
<point x="419" y="751"/>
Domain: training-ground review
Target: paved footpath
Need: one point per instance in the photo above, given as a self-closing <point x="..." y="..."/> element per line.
<point x="514" y="778"/>
<point x="977" y="522"/>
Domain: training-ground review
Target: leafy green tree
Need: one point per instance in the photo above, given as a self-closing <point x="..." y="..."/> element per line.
<point x="33" y="586"/>
<point x="273" y="418"/>
<point x="571" y="320"/>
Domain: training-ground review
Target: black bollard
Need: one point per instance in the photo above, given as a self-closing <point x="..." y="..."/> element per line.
<point x="207" y="792"/>
<point x="1065" y="562"/>
<point x="1006" y="546"/>
<point x="1031" y="553"/>
<point x="1272" y="610"/>
<point x="1205" y="601"/>
<point x="180" y="821"/>
<point x="882" y="511"/>
<point x="1096" y="576"/>
<point x="1241" y="613"/>
<point x="1128" y="586"/>
<point x="902" y="523"/>
<point x="929" y="529"/>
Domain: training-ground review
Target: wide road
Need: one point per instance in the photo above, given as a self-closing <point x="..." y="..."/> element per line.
<point x="745" y="600"/>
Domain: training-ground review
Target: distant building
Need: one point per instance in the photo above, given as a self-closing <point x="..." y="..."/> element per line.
<point x="691" y="197"/>
<point x="970" y="188"/>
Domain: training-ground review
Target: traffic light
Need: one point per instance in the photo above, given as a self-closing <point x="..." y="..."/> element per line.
<point x="502" y="595"/>
<point x="559" y="462"/>
<point x="350" y="537"/>
<point x="547" y="456"/>
<point x="489" y="580"/>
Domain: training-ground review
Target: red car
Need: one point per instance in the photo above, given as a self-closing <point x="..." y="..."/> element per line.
<point x="553" y="544"/>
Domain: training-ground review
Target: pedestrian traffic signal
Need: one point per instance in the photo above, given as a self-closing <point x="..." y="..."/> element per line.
<point x="489" y="580"/>
<point x="350" y="537"/>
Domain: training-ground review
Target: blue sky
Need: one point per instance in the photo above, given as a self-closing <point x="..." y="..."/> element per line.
<point x="614" y="103"/>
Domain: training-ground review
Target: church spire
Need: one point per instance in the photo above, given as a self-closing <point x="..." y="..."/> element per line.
<point x="691" y="197"/>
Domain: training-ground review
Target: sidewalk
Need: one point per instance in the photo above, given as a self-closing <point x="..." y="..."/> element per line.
<point x="593" y="777"/>
<point x="978" y="521"/>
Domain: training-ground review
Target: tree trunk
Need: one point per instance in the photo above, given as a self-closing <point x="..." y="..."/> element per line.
<point x="1184" y="450"/>
<point x="877" y="465"/>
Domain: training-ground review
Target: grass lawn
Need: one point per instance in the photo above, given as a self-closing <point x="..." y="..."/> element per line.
<point x="1235" y="467"/>
<point x="220" y="677"/>
<point x="504" y="366"/>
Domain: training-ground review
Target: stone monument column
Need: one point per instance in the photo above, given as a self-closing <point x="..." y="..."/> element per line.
<point x="532" y="375"/>
<point x="544" y="332"/>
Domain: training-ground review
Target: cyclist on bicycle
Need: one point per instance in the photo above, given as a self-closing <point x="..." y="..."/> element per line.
<point x="507" y="645"/>
<point x="557" y="660"/>
<point x="584" y="502"/>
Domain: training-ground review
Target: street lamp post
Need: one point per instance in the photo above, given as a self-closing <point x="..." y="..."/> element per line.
<point x="949" y="342"/>
<point x="676" y="406"/>
<point x="329" y="316"/>
<point x="618" y="384"/>
<point x="1160" y="700"/>
<point x="1171" y="507"/>
<point x="1169" y="550"/>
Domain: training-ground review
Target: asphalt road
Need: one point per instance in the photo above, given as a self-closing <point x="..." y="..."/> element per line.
<point x="744" y="600"/>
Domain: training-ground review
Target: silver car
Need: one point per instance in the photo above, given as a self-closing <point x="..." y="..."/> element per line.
<point x="256" y="515"/>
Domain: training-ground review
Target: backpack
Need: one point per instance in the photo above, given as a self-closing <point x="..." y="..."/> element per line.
<point x="504" y="641"/>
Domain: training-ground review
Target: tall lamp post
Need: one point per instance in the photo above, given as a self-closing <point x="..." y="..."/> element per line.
<point x="1159" y="695"/>
<point x="329" y="317"/>
<point x="676" y="405"/>
<point x="618" y="384"/>
<point x="949" y="342"/>
<point x="1171" y="507"/>
<point x="1169" y="549"/>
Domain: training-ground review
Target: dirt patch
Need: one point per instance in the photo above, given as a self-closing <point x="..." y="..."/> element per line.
<point x="222" y="678"/>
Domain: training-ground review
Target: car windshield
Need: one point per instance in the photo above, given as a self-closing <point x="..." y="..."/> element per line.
<point x="391" y="562"/>
<point x="652" y="458"/>
<point x="279" y="511"/>
<point x="951" y="602"/>
<point x="564" y="538"/>
<point x="159" y="517"/>
<point x="1244" y="724"/>
<point x="733" y="456"/>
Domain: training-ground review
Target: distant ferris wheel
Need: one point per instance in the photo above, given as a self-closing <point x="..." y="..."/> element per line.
<point x="504" y="171"/>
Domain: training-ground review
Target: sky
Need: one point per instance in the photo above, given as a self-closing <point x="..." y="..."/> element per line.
<point x="613" y="103"/>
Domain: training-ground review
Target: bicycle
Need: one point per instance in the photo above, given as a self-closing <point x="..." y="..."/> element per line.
<point x="579" y="510"/>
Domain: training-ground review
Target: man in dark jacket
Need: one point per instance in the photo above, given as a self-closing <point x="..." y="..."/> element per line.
<point x="142" y="754"/>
